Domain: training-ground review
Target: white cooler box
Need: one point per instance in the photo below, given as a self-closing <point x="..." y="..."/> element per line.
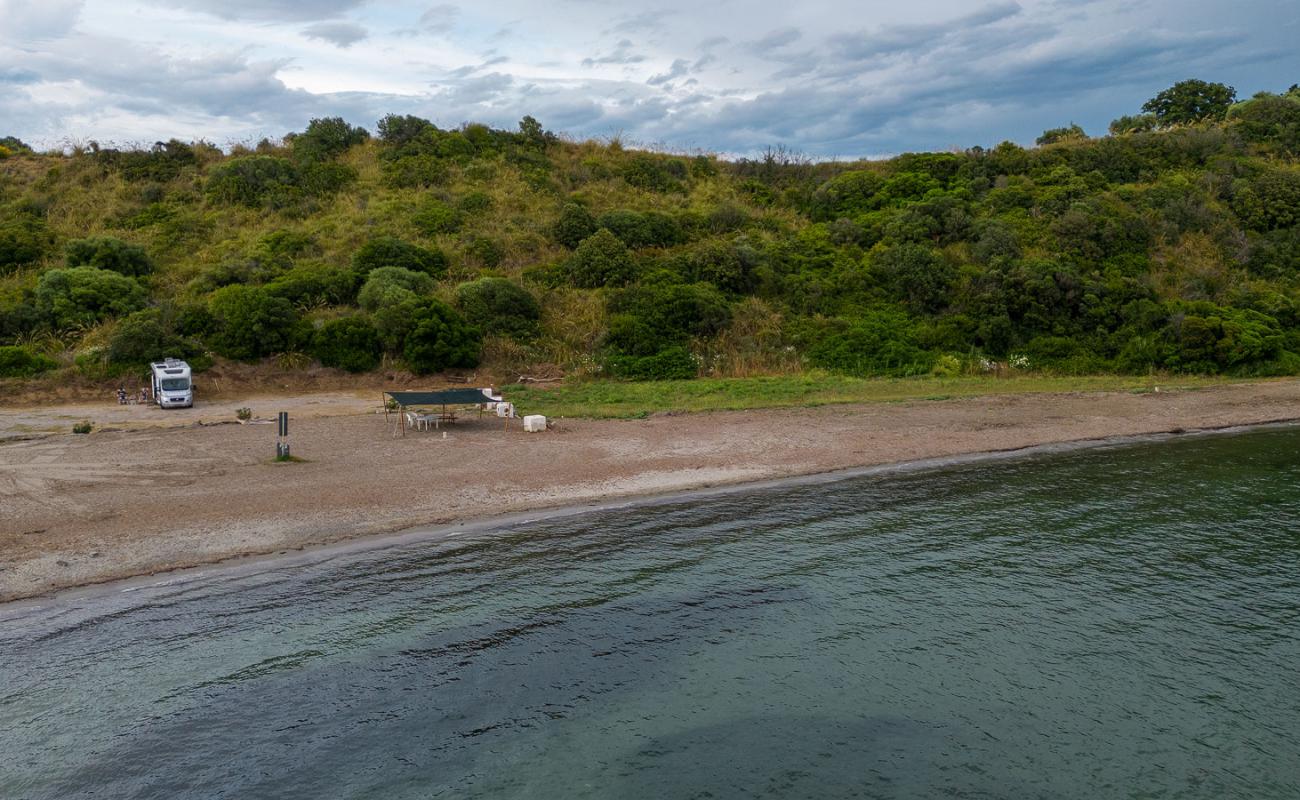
<point x="534" y="423"/>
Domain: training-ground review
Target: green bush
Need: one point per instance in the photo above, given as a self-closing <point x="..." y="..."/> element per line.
<point x="879" y="343"/>
<point x="105" y="252"/>
<point x="439" y="338"/>
<point x="649" y="229"/>
<point x="388" y="286"/>
<point x="654" y="173"/>
<point x="601" y="260"/>
<point x="649" y="318"/>
<point x="326" y="139"/>
<point x="255" y="181"/>
<point x="500" y="306"/>
<point x="387" y="251"/>
<point x="309" y="285"/>
<point x="24" y="240"/>
<point x="249" y="322"/>
<point x="83" y="427"/>
<point x="435" y="217"/>
<point x="672" y="363"/>
<point x="19" y="362"/>
<point x="574" y="225"/>
<point x="86" y="295"/>
<point x="349" y="343"/>
<point x="142" y="338"/>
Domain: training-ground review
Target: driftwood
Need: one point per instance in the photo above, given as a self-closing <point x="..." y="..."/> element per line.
<point x="530" y="379"/>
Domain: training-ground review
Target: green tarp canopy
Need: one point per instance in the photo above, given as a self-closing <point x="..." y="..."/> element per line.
<point x="447" y="397"/>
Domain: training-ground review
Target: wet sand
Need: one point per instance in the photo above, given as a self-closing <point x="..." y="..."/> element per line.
<point x="151" y="496"/>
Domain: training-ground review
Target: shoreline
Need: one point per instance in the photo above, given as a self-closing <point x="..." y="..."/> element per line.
<point x="253" y="563"/>
<point x="366" y="491"/>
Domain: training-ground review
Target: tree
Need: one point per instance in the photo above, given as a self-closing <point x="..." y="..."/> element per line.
<point x="601" y="260"/>
<point x="86" y="295"/>
<point x="250" y="322"/>
<point x="105" y="252"/>
<point x="1191" y="101"/>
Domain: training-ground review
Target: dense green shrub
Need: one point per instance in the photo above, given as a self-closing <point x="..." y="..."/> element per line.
<point x="143" y="337"/>
<point x="255" y="181"/>
<point x="310" y="285"/>
<point x="878" y="343"/>
<point x="250" y="322"/>
<point x="439" y="338"/>
<point x="348" y="343"/>
<point x="326" y="139"/>
<point x="24" y="240"/>
<point x="654" y="316"/>
<point x="86" y="295"/>
<point x="1270" y="201"/>
<point x="499" y="306"/>
<point x="105" y="252"/>
<point x="388" y="251"/>
<point x="435" y="216"/>
<point x="388" y="286"/>
<point x="655" y="173"/>
<point x="574" y="225"/>
<point x="649" y="229"/>
<point x="601" y="260"/>
<point x="671" y="363"/>
<point x="19" y="362"/>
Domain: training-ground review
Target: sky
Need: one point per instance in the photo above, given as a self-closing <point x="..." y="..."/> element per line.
<point x="827" y="78"/>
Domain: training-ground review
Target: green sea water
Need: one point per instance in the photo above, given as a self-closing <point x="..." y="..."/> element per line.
<point x="1113" y="622"/>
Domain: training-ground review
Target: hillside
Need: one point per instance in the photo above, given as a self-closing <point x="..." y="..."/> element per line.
<point x="1169" y="245"/>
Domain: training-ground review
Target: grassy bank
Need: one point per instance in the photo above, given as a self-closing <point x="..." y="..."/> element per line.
<point x="614" y="399"/>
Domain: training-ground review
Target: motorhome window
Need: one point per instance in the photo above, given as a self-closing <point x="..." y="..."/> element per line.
<point x="175" y="384"/>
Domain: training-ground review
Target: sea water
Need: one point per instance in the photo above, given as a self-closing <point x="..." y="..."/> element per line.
<point x="1115" y="622"/>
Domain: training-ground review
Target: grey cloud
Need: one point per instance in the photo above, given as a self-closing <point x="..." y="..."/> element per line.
<point x="703" y="61"/>
<point x="677" y="70"/>
<point x="711" y="42"/>
<point x="866" y="45"/>
<point x="776" y="40"/>
<point x="470" y="69"/>
<point x="342" y="34"/>
<point x="622" y="54"/>
<point x="440" y="18"/>
<point x="268" y="10"/>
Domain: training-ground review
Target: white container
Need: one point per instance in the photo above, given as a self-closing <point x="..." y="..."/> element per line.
<point x="534" y="423"/>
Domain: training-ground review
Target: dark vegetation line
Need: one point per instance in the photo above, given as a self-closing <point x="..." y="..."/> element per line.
<point x="1171" y="244"/>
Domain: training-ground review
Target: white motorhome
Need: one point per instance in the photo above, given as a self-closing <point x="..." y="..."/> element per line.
<point x="172" y="387"/>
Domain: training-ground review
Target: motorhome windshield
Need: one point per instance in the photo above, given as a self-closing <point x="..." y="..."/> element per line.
<point x="175" y="384"/>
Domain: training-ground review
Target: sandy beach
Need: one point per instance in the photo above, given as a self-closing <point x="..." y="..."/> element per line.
<point x="151" y="491"/>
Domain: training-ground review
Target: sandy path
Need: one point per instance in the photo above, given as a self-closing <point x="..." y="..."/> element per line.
<point x="80" y="509"/>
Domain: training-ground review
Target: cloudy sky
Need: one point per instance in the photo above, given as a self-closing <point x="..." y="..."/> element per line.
<point x="825" y="77"/>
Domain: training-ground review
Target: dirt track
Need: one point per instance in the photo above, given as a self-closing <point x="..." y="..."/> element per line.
<point x="80" y="509"/>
